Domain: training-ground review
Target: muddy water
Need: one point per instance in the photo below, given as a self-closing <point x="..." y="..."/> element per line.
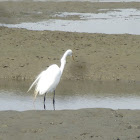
<point x="71" y="95"/>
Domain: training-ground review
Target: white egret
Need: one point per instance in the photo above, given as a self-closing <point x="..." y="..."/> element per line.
<point x="48" y="79"/>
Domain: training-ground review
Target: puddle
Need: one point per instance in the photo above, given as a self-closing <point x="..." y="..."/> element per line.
<point x="117" y="21"/>
<point x="71" y="95"/>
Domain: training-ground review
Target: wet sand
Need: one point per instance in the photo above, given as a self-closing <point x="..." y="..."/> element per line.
<point x="24" y="54"/>
<point x="98" y="57"/>
<point x="96" y="124"/>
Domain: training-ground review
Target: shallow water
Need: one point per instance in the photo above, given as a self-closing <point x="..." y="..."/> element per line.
<point x="71" y="95"/>
<point x="117" y="21"/>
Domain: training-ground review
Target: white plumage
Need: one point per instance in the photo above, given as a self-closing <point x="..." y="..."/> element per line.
<point x="48" y="79"/>
<point x="46" y="84"/>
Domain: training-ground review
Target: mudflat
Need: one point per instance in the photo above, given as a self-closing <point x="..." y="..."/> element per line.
<point x="99" y="57"/>
<point x="24" y="54"/>
<point x="96" y="124"/>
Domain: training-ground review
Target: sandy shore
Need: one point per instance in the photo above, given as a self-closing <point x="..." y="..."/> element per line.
<point x="98" y="57"/>
<point x="96" y="124"/>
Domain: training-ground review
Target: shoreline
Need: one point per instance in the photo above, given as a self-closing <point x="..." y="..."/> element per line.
<point x="17" y="12"/>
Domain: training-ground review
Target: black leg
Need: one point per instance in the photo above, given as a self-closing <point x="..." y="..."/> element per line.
<point x="54" y="100"/>
<point x="44" y="101"/>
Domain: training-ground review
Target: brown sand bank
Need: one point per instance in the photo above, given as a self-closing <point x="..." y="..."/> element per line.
<point x="99" y="57"/>
<point x="85" y="124"/>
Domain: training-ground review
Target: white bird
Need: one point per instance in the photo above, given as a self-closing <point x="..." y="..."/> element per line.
<point x="48" y="79"/>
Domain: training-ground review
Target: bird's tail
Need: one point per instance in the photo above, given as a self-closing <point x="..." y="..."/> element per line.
<point x="34" y="83"/>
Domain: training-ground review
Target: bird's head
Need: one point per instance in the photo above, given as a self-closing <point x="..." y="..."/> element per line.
<point x="69" y="52"/>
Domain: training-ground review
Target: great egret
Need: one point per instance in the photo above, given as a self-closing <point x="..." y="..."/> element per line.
<point x="48" y="79"/>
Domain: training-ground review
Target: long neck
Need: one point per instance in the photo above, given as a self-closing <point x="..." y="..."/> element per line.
<point x="63" y="62"/>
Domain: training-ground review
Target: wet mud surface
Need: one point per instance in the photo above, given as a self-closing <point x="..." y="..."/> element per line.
<point x="100" y="57"/>
<point x="96" y="124"/>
